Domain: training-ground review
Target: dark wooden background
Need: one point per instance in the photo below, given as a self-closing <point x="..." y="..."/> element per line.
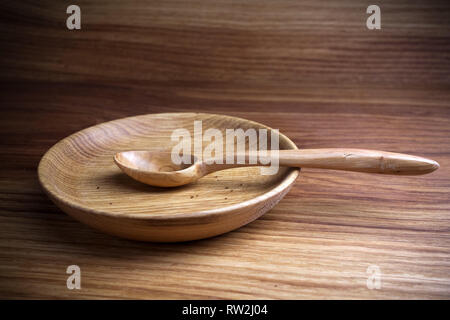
<point x="310" y="68"/>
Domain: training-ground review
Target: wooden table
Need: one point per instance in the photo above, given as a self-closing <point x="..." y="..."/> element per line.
<point x="310" y="68"/>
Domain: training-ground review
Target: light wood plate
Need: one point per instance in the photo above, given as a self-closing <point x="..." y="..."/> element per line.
<point x="80" y="176"/>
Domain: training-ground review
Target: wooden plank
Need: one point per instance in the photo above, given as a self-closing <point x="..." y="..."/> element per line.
<point x="309" y="68"/>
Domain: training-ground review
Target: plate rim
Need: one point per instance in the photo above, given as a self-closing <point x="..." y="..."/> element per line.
<point x="285" y="183"/>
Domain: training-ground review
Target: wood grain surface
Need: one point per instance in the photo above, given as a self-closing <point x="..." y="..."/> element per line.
<point x="310" y="68"/>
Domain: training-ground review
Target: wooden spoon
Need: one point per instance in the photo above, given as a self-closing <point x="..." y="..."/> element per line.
<point x="157" y="169"/>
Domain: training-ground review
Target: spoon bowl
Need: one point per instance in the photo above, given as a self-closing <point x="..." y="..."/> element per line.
<point x="157" y="168"/>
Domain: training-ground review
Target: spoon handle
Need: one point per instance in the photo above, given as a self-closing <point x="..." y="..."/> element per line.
<point x="356" y="160"/>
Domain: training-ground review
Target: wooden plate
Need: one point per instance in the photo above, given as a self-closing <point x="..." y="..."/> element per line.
<point x="79" y="175"/>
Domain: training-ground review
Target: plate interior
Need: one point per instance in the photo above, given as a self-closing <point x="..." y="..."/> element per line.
<point x="81" y="170"/>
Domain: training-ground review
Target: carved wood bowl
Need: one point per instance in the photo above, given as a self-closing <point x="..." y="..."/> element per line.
<point x="81" y="178"/>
